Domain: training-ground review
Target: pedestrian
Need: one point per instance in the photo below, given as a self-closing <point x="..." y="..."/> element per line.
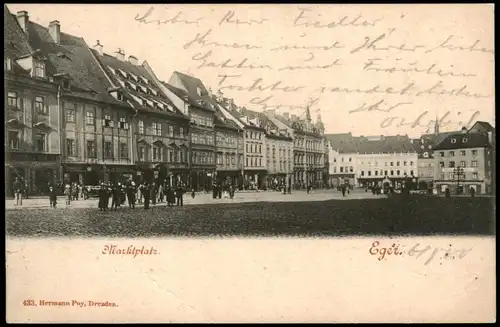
<point x="343" y="190"/>
<point x="131" y="194"/>
<point x="231" y="191"/>
<point x="103" y="197"/>
<point x="472" y="192"/>
<point x="67" y="194"/>
<point x="447" y="193"/>
<point x="193" y="193"/>
<point x="115" y="196"/>
<point x="139" y="193"/>
<point x="52" y="196"/>
<point x="214" y="190"/>
<point x="18" y="191"/>
<point x="160" y="193"/>
<point x="179" y="195"/>
<point x="147" y="193"/>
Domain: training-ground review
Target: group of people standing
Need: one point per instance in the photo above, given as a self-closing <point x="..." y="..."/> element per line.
<point x="141" y="193"/>
<point x="219" y="189"/>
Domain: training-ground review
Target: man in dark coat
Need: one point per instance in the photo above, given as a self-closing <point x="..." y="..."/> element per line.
<point x="131" y="194"/>
<point x="147" y="194"/>
<point x="103" y="197"/>
<point x="179" y="194"/>
<point x="52" y="196"/>
<point x="116" y="196"/>
<point x="153" y="192"/>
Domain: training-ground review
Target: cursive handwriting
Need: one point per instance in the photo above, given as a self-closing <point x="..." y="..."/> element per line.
<point x="174" y="20"/>
<point x="334" y="63"/>
<point x="372" y="44"/>
<point x="256" y="85"/>
<point x="227" y="63"/>
<point x="230" y="14"/>
<point x="202" y="39"/>
<point x="410" y="89"/>
<point x="449" y="254"/>
<point x="447" y="44"/>
<point x="358" y="21"/>
<point x="335" y="45"/>
<point x="381" y="105"/>
<point x="372" y="65"/>
<point x="263" y="103"/>
<point x="420" y="121"/>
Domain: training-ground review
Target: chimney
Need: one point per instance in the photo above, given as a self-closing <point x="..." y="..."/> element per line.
<point x="55" y="31"/>
<point x="23" y="20"/>
<point x="464" y="130"/>
<point x="210" y="92"/>
<point x="120" y="55"/>
<point x="286" y="115"/>
<point x="490" y="137"/>
<point x="132" y="60"/>
<point x="98" y="47"/>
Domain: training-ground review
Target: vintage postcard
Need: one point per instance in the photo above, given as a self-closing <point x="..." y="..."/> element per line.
<point x="249" y="163"/>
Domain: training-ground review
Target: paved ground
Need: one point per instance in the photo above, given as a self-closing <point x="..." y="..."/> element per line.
<point x="202" y="198"/>
<point x="281" y="215"/>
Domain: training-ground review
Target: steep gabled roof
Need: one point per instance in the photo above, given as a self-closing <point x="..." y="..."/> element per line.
<point x="346" y="143"/>
<point x="482" y="126"/>
<point x="239" y="113"/>
<point x="464" y="141"/>
<point x="425" y="144"/>
<point x="191" y="85"/>
<point x="15" y="41"/>
<point x="138" y="84"/>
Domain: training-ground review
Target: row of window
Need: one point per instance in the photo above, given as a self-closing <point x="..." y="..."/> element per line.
<point x="40" y="141"/>
<point x="376" y="173"/>
<point x="454" y="176"/>
<point x="463" y="164"/>
<point x="161" y="154"/>
<point x="202" y="158"/>
<point x="310" y="145"/>
<point x="253" y="135"/>
<point x="391" y="163"/>
<point x="283" y="165"/>
<point x="202" y="120"/>
<point x="39" y="104"/>
<point x="230" y="159"/>
<point x="253" y="148"/>
<point x="341" y="159"/>
<point x="344" y="169"/>
<point x="130" y="76"/>
<point x="202" y="139"/>
<point x="157" y="129"/>
<point x="227" y="139"/>
<point x="462" y="153"/>
<point x="254" y="161"/>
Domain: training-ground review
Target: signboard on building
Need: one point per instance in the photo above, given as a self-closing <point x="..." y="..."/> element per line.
<point x="465" y="170"/>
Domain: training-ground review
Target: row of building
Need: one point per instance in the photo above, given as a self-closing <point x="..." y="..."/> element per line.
<point x="78" y="114"/>
<point x="462" y="159"/>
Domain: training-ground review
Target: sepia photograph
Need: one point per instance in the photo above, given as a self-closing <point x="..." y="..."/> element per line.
<point x="252" y="162"/>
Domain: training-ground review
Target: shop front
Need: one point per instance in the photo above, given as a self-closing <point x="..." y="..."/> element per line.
<point x="201" y="179"/>
<point x="229" y="177"/>
<point x="254" y="179"/>
<point x="35" y="170"/>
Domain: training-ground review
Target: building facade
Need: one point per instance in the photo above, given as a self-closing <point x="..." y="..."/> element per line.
<point x="229" y="145"/>
<point x="464" y="161"/>
<point x="32" y="121"/>
<point x="279" y="156"/>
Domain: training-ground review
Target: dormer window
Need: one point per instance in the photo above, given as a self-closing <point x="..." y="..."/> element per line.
<point x="107" y="122"/>
<point x="39" y="70"/>
<point x="453" y="141"/>
<point x="198" y="91"/>
<point x="65" y="84"/>
<point x="119" y="96"/>
<point x="464" y="140"/>
<point x="7" y="64"/>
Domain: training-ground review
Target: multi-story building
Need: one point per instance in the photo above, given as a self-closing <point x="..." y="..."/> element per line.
<point x="230" y="149"/>
<point x="342" y="154"/>
<point x="372" y="160"/>
<point x="32" y="101"/>
<point x="158" y="130"/>
<point x="254" y="172"/>
<point x="465" y="160"/>
<point x="308" y="147"/>
<point x="195" y="101"/>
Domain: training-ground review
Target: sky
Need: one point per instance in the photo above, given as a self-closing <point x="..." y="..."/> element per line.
<point x="365" y="69"/>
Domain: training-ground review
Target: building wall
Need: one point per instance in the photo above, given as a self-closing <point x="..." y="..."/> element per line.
<point x="279" y="154"/>
<point x="255" y="156"/>
<point x="376" y="166"/>
<point x="477" y="169"/>
<point x="229" y="148"/>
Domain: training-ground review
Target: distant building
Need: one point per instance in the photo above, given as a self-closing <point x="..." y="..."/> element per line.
<point x="342" y="154"/>
<point x="465" y="160"/>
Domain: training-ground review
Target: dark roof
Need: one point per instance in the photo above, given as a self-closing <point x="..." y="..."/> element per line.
<point x="240" y="112"/>
<point x="15" y="41"/>
<point x="482" y="126"/>
<point x="139" y="71"/>
<point x="222" y="122"/>
<point x="427" y="142"/>
<point x="191" y="85"/>
<point x="346" y="143"/>
<point x="299" y="124"/>
<point x="464" y="141"/>
<point x="72" y="57"/>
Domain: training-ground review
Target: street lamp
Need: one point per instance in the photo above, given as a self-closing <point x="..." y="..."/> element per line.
<point x="458" y="172"/>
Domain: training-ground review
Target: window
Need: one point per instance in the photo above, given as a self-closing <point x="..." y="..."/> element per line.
<point x="441" y="164"/>
<point x="452" y="153"/>
<point x="441" y="176"/>
<point x="123" y="150"/>
<point x="181" y="132"/>
<point x="464" y="140"/>
<point x="451" y="175"/>
<point x="350" y="159"/>
<point x="398" y="173"/>
<point x="362" y="172"/>
<point x="334" y="169"/>
<point x="65" y="84"/>
<point x="40" y="105"/>
<point x="341" y="169"/>
<point x="462" y="153"/>
<point x="404" y="163"/>
<point x="474" y="163"/>
<point x="392" y="163"/>
<point x="451" y="164"/>
<point x="7" y="64"/>
<point x="156" y="153"/>
<point x="462" y="164"/>
<point x="441" y="154"/>
<point x="397" y="163"/>
<point x="108" y="149"/>
<point x="170" y="131"/>
<point x="140" y="125"/>
<point x="141" y="153"/>
<point x="385" y="172"/>
<point x="392" y="172"/>
<point x="40" y="142"/>
<point x="39" y="69"/>
<point x="14" y="140"/>
<point x="233" y="159"/>
<point x="70" y="148"/>
<point x="474" y="152"/>
<point x="453" y="141"/>
<point x="123" y="123"/>
<point x="334" y="159"/>
<point x="89" y="118"/>
<point x="91" y="153"/>
<point x="351" y="169"/>
<point x="475" y="176"/>
<point x="70" y="112"/>
<point x="426" y="154"/>
<point x="376" y="172"/>
<point x="156" y="129"/>
<point x="12" y="99"/>
<point x="107" y="122"/>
